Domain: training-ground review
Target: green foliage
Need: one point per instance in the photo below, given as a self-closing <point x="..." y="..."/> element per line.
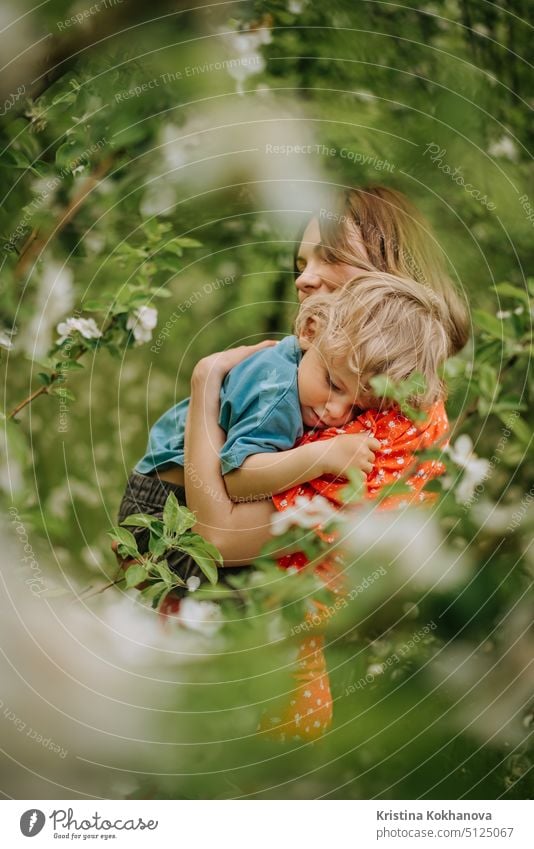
<point x="150" y="572"/>
<point x="113" y="198"/>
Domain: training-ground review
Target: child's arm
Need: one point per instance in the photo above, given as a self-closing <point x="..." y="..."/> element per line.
<point x="263" y="475"/>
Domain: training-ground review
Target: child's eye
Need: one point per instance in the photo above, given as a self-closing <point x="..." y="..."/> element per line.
<point x="333" y="386"/>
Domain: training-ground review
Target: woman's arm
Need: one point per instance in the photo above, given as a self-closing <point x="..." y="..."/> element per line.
<point x="238" y="530"/>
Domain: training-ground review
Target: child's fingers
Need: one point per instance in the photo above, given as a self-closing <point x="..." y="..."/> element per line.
<point x="374" y="444"/>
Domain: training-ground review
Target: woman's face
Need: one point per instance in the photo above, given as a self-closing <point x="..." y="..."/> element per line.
<point x="316" y="274"/>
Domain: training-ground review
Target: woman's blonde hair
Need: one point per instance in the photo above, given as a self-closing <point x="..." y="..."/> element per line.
<point x="381" y="324"/>
<point x="397" y="240"/>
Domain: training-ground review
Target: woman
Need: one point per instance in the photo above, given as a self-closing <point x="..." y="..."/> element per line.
<point x="369" y="228"/>
<point x="372" y="229"/>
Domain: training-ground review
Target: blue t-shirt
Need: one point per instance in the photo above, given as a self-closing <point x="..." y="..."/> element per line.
<point x="260" y="412"/>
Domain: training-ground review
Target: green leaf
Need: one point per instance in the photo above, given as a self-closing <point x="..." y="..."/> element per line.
<point x="96" y="305"/>
<point x="186" y="242"/>
<point x="69" y="365"/>
<point x="206" y="565"/>
<point x="488" y="323"/>
<point x="205" y="555"/>
<point x="62" y="392"/>
<point x="509" y="291"/>
<point x="173" y="248"/>
<point x="165" y="573"/>
<point x="518" y="426"/>
<point x="153" y="592"/>
<point x="157" y="545"/>
<point x="43" y="378"/>
<point x="198" y="543"/>
<point x="135" y="575"/>
<point x="176" y="518"/>
<point x="353" y="492"/>
<point x="142" y="520"/>
<point x="126" y="540"/>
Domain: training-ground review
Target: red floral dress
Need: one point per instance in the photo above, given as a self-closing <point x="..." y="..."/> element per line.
<point x="309" y="712"/>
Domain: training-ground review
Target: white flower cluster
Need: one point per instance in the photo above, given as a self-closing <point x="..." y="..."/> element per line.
<point x="201" y="616"/>
<point x="142" y="322"/>
<point x="247" y="44"/>
<point x="86" y="327"/>
<point x="306" y="513"/>
<point x="5" y="340"/>
<point x="475" y="469"/>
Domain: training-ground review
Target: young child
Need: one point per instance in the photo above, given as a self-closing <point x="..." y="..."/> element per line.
<point x="317" y="379"/>
<point x="412" y="330"/>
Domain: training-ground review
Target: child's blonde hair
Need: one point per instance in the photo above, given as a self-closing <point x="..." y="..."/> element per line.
<point x="381" y="324"/>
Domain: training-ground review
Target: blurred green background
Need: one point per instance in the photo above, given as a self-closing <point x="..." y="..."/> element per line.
<point x="126" y="124"/>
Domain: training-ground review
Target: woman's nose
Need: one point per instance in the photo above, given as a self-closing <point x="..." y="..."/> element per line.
<point x="308" y="281"/>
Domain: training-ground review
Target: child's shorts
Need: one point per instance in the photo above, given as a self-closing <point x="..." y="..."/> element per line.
<point x="147" y="494"/>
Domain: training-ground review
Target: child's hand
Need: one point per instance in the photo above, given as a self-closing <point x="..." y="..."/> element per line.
<point x="347" y="451"/>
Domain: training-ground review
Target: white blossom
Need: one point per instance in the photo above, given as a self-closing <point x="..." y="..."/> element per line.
<point x="202" y="616"/>
<point x="306" y="513"/>
<point x="408" y="544"/>
<point x="193" y="583"/>
<point x="142" y="322"/>
<point x="5" y="340"/>
<point x="503" y="147"/>
<point x="475" y="469"/>
<point x="86" y="327"/>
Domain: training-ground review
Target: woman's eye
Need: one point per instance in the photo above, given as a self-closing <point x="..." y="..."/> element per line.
<point x="300" y="265"/>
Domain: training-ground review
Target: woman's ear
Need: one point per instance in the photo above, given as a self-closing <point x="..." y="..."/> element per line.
<point x="308" y="332"/>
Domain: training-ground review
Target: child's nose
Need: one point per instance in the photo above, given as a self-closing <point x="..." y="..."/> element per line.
<point x="338" y="412"/>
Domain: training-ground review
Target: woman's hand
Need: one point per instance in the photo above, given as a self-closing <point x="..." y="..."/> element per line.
<point x="216" y="366"/>
<point x="348" y="450"/>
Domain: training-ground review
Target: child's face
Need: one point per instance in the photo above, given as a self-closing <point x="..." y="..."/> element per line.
<point x="327" y="390"/>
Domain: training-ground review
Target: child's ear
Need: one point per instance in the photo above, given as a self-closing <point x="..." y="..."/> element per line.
<point x="308" y="333"/>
